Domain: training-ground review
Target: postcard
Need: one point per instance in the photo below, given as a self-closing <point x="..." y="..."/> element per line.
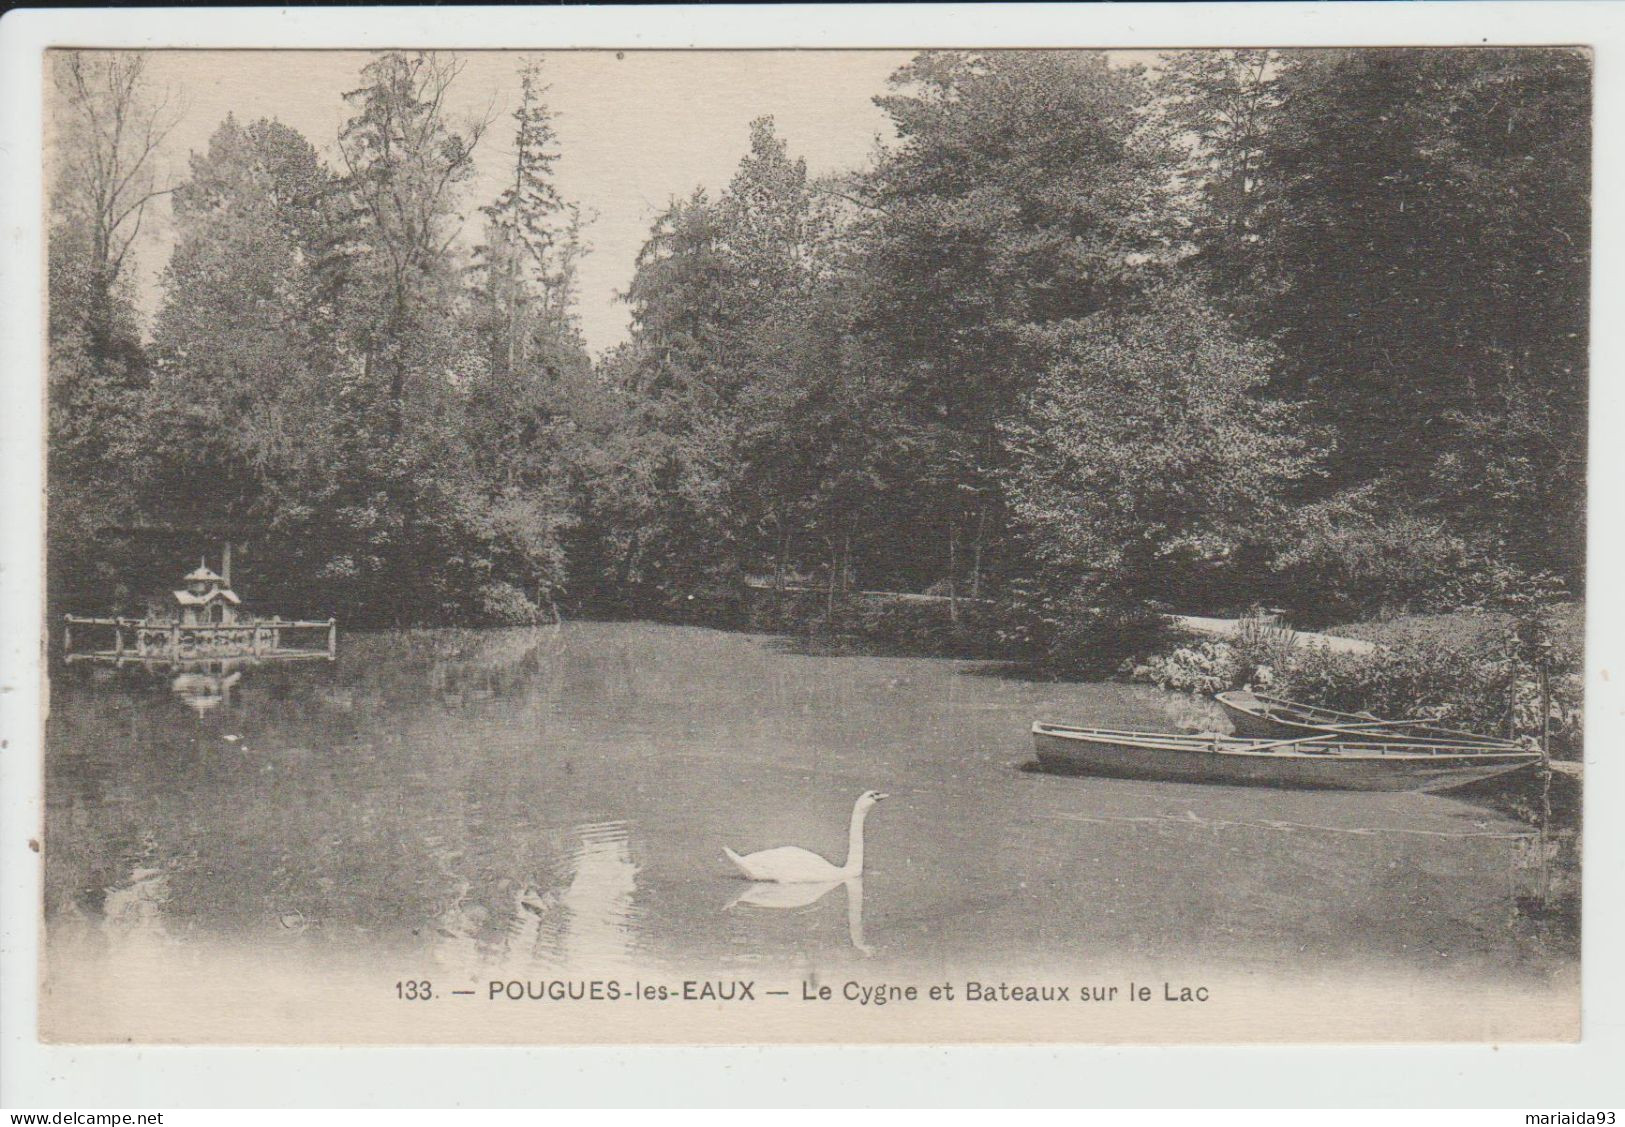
<point x="914" y="544"/>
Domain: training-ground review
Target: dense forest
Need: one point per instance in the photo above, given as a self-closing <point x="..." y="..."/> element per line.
<point x="1305" y="329"/>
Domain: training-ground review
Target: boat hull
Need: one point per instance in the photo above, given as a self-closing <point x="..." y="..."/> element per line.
<point x="1266" y="718"/>
<point x="1258" y="726"/>
<point x="1332" y="766"/>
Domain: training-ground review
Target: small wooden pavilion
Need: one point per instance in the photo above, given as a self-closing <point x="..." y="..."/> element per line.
<point x="203" y="621"/>
<point x="207" y="598"/>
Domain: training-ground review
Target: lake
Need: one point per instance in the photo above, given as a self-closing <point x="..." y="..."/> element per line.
<point x="480" y="806"/>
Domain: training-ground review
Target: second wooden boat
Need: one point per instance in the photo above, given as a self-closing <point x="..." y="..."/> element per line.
<point x="1314" y="762"/>
<point x="1259" y="716"/>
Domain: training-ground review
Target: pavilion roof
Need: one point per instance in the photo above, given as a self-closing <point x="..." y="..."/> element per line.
<point x="187" y="599"/>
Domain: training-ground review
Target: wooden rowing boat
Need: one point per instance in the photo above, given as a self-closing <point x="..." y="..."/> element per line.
<point x="1259" y="716"/>
<point x="1323" y="761"/>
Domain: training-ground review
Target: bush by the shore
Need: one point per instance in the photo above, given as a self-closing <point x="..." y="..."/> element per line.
<point x="1477" y="672"/>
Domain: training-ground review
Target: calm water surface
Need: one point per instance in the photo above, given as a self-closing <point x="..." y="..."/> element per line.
<point x="556" y="801"/>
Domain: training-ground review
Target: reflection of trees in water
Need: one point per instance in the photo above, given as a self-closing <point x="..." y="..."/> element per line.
<point x="450" y="667"/>
<point x="105" y="749"/>
<point x="471" y="666"/>
<point x="1544" y="877"/>
<point x="589" y="920"/>
<point x="1545" y="864"/>
<point x="129" y="914"/>
<point x="1185" y="712"/>
<point x="362" y="806"/>
<point x="135" y="907"/>
<point x="331" y="796"/>
<point x="579" y="916"/>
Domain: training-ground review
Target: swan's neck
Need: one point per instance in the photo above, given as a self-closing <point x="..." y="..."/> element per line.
<point x="854" y="843"/>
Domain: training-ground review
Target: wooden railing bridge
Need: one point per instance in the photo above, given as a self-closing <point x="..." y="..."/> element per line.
<point x="143" y="640"/>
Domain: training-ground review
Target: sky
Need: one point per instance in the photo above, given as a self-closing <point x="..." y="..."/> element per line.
<point x="636" y="128"/>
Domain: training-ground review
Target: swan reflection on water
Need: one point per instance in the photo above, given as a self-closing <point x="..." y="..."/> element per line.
<point x="788" y="896"/>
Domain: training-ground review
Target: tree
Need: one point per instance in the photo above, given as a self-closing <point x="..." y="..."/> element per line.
<point x="786" y="365"/>
<point x="404" y="162"/>
<point x="1023" y="191"/>
<point x="111" y="126"/>
<point x="536" y="374"/>
<point x="1216" y="106"/>
<point x="1145" y="464"/>
<point x="107" y="124"/>
<point x="679" y="312"/>
<point x="244" y="354"/>
<point x="1427" y="222"/>
<point x="413" y="507"/>
<point x="773" y="230"/>
<point x="516" y="267"/>
<point x="658" y="487"/>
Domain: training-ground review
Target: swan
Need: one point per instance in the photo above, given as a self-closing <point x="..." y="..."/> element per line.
<point x="790" y="864"/>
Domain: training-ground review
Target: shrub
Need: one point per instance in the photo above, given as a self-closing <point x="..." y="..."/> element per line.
<point x="1146" y="459"/>
<point x="1349" y="557"/>
<point x="1352" y="556"/>
<point x="1072" y="640"/>
<point x="1476" y="672"/>
<point x="1203" y="668"/>
<point x="1264" y="650"/>
<point x="1470" y="689"/>
<point x="1488" y="684"/>
<point x="1452" y="631"/>
<point x="1258" y="654"/>
<point x="503" y="604"/>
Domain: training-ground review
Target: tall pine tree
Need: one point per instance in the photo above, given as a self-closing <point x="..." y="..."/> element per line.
<point x="517" y="264"/>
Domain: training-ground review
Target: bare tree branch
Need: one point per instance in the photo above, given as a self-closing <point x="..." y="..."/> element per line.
<point x="113" y="127"/>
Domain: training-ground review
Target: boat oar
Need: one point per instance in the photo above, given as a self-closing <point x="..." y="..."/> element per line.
<point x="1367" y="725"/>
<point x="1356" y="729"/>
<point x="1358" y="725"/>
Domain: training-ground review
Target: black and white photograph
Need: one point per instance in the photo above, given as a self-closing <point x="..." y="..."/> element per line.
<point x="815" y="546"/>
